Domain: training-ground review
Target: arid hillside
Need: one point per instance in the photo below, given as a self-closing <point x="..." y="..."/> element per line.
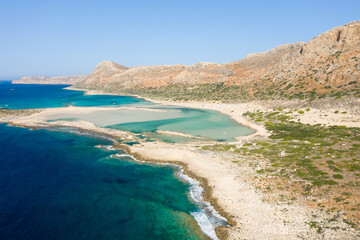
<point x="326" y="66"/>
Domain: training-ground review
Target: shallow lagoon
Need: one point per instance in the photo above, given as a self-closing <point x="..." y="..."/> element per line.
<point x="199" y="123"/>
<point x="147" y="121"/>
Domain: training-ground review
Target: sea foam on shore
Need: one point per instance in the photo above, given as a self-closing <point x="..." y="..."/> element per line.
<point x="206" y="217"/>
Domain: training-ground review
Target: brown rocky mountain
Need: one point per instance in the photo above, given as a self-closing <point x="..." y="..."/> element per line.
<point x="328" y="65"/>
<point x="66" y="80"/>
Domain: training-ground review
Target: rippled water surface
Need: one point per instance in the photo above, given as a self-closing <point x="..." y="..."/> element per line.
<point x="57" y="185"/>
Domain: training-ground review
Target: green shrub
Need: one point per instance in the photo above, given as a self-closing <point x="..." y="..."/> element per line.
<point x="320" y="183"/>
<point x="338" y="176"/>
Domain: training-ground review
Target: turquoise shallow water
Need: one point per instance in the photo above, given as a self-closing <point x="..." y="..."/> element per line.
<point x="57" y="185"/>
<point x="20" y="96"/>
<point x="200" y="123"/>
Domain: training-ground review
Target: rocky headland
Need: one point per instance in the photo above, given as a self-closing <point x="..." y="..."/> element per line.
<point x="326" y="66"/>
<point x="62" y="80"/>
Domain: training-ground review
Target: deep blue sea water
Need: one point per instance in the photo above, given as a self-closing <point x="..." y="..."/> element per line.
<point x="57" y="185"/>
<point x="20" y="96"/>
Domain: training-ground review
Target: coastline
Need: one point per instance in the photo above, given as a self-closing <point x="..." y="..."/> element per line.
<point x="198" y="186"/>
<point x="227" y="186"/>
<point x="318" y="115"/>
<point x="36" y="120"/>
<point x="182" y="172"/>
<point x="297" y="220"/>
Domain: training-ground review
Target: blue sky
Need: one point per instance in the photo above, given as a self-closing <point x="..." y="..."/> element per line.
<point x="65" y="37"/>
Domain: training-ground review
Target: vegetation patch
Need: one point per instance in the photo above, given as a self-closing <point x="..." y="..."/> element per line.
<point x="316" y="162"/>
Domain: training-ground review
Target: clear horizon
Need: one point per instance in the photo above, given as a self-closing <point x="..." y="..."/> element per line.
<point x="48" y="38"/>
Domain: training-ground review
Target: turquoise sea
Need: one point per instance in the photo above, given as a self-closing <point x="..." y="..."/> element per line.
<point x="66" y="184"/>
<point x="20" y="96"/>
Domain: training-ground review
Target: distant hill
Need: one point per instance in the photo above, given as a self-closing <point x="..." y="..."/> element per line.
<point x="66" y="80"/>
<point x="326" y="66"/>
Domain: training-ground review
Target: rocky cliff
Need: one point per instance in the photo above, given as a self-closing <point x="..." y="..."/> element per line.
<point x="328" y="65"/>
<point x="66" y="80"/>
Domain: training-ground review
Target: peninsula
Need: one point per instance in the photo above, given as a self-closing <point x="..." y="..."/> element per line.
<point x="298" y="175"/>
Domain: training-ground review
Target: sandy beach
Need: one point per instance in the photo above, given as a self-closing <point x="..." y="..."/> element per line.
<point x="228" y="185"/>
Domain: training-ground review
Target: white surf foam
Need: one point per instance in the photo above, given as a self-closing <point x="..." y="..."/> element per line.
<point x="108" y="147"/>
<point x="120" y="155"/>
<point x="206" y="217"/>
